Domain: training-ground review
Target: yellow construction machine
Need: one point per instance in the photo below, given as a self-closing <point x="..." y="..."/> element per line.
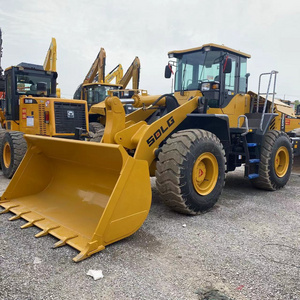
<point x="2" y="85"/>
<point x="96" y="87"/>
<point x="89" y="195"/>
<point x="50" y="62"/>
<point x="31" y="106"/>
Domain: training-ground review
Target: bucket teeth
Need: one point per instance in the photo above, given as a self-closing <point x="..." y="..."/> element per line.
<point x="46" y="231"/>
<point x="18" y="216"/>
<point x="90" y="249"/>
<point x="6" y="210"/>
<point x="63" y="241"/>
<point x="31" y="223"/>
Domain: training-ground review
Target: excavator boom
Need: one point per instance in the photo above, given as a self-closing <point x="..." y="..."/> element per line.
<point x="133" y="73"/>
<point x="117" y="73"/>
<point x="97" y="68"/>
<point x="51" y="57"/>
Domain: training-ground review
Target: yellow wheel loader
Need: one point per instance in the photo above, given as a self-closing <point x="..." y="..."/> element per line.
<point x="31" y="107"/>
<point x="89" y="195"/>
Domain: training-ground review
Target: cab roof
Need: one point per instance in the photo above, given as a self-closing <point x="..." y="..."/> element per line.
<point x="212" y="46"/>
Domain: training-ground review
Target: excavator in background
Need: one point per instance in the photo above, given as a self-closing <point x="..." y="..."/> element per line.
<point x="2" y="85"/>
<point x="96" y="87"/>
<point x="89" y="195"/>
<point x="116" y="73"/>
<point x="50" y="62"/>
<point x="31" y="106"/>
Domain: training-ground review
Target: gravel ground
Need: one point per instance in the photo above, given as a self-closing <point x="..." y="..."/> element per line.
<point x="247" y="247"/>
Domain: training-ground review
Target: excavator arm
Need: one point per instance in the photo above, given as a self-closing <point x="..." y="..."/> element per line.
<point x="117" y="73"/>
<point x="133" y="73"/>
<point x="51" y="57"/>
<point x="97" y="68"/>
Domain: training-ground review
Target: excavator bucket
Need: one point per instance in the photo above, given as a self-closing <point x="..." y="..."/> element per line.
<point x="87" y="195"/>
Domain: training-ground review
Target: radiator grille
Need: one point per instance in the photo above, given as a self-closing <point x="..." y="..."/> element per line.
<point x="42" y="124"/>
<point x="68" y="116"/>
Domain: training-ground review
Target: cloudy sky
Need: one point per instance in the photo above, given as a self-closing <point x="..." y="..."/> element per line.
<point x="269" y="30"/>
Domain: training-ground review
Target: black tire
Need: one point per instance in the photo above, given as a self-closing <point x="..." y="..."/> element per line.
<point x="2" y="133"/>
<point x="97" y="136"/>
<point x="13" y="149"/>
<point x="175" y="173"/>
<point x="273" y="177"/>
<point x="95" y="127"/>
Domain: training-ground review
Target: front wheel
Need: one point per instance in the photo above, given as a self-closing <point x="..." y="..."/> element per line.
<point x="191" y="171"/>
<point x="13" y="149"/>
<point x="276" y="161"/>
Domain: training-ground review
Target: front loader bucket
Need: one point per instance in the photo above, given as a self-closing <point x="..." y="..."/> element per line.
<point x="87" y="195"/>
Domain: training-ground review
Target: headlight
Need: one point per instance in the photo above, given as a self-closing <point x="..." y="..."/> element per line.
<point x="205" y="86"/>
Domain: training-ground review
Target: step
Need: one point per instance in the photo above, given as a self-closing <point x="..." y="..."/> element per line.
<point x="252" y="176"/>
<point x="251" y="145"/>
<point x="254" y="160"/>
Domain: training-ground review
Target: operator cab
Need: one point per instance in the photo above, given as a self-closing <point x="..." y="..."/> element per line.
<point x="27" y="80"/>
<point x="218" y="72"/>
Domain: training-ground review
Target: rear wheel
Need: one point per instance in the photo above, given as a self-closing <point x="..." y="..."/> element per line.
<point x="191" y="171"/>
<point x="276" y="161"/>
<point x="13" y="149"/>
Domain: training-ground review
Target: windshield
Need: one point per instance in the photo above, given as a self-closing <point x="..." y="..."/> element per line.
<point x="34" y="85"/>
<point x="96" y="93"/>
<point x="196" y="67"/>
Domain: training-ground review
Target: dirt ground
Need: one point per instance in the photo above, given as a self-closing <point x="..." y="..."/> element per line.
<point x="247" y="247"/>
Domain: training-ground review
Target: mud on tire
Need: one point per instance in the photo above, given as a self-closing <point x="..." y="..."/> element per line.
<point x="175" y="173"/>
<point x="273" y="176"/>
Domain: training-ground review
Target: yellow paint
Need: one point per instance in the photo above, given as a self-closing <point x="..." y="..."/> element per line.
<point x="239" y="105"/>
<point x="205" y="173"/>
<point x="87" y="195"/>
<point x="6" y="155"/>
<point x="281" y="162"/>
<point x="31" y="116"/>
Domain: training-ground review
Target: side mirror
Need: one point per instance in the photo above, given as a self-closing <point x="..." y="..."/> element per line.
<point x="227" y="65"/>
<point x="168" y="71"/>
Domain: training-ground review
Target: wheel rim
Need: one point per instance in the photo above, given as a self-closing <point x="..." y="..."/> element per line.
<point x="6" y="155"/>
<point x="282" y="160"/>
<point x="205" y="173"/>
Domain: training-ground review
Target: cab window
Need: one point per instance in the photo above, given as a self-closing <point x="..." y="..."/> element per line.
<point x="243" y="72"/>
<point x="230" y="77"/>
